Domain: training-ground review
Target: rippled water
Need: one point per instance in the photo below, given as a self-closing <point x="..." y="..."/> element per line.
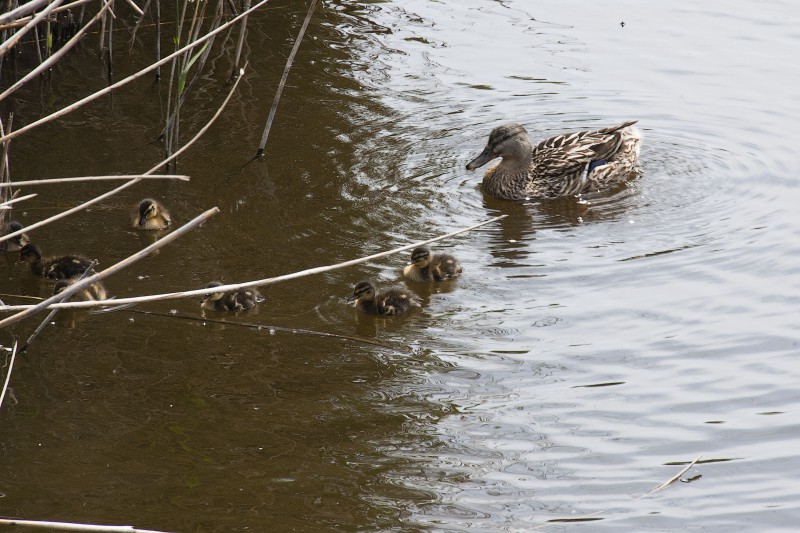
<point x="593" y="347"/>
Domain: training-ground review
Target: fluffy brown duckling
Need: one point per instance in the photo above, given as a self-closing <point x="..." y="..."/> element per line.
<point x="15" y="244"/>
<point x="150" y="214"/>
<point x="426" y="267"/>
<point x="95" y="291"/>
<point x="235" y="300"/>
<point x="389" y="302"/>
<point x="64" y="267"/>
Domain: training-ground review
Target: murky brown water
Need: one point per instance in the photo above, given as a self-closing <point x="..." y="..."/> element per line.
<point x="590" y="349"/>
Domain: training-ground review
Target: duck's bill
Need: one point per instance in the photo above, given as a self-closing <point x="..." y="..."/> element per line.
<point x="481" y="160"/>
<point x="352" y="299"/>
<point x="142" y="220"/>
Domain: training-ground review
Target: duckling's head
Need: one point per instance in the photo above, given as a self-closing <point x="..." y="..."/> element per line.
<point x="30" y="254"/>
<point x="509" y="141"/>
<point x="148" y="208"/>
<point x="364" y="290"/>
<point x="13" y="226"/>
<point x="20" y="240"/>
<point x="214" y="296"/>
<point x="420" y="256"/>
<point x="61" y="285"/>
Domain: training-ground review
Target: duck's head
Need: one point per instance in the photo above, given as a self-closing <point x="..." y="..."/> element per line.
<point x="148" y="208"/>
<point x="214" y="296"/>
<point x="30" y="254"/>
<point x="420" y="256"/>
<point x="364" y="290"/>
<point x="509" y="141"/>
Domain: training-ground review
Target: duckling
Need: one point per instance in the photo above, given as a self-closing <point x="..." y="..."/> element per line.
<point x="235" y="300"/>
<point x="394" y="301"/>
<point x="95" y="291"/>
<point x="426" y="267"/>
<point x="15" y="244"/>
<point x="150" y="214"/>
<point x="564" y="165"/>
<point x="64" y="267"/>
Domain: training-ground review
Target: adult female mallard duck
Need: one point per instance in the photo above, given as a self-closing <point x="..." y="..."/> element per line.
<point x="388" y="302"/>
<point x="426" y="267"/>
<point x="235" y="300"/>
<point x="95" y="291"/>
<point x="64" y="267"/>
<point x="564" y="165"/>
<point x="150" y="214"/>
<point x="15" y="244"/>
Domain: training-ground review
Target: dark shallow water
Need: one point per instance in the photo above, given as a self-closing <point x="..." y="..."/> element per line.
<point x="591" y="349"/>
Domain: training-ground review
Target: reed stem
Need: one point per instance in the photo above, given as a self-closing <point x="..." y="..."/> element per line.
<point x="8" y="375"/>
<point x="51" y="60"/>
<point x="33" y="183"/>
<point x="124" y="186"/>
<point x="289" y="61"/>
<point x="80" y="103"/>
<point x="19" y="34"/>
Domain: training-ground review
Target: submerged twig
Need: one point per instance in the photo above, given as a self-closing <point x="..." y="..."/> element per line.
<point x="138" y="23"/>
<point x="28" y="183"/>
<point x="288" y="66"/>
<point x="141" y="254"/>
<point x="266" y="281"/>
<point x="265" y="327"/>
<point x="8" y="374"/>
<point x="242" y="32"/>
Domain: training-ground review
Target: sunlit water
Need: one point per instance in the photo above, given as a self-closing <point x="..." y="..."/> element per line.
<point x="592" y="348"/>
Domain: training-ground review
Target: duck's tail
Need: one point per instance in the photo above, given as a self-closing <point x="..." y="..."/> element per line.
<point x="613" y="129"/>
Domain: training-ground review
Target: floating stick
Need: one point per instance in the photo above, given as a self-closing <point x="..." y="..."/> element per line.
<point x="68" y="526"/>
<point x="224" y="288"/>
<point x="29" y="183"/>
<point x="8" y="203"/>
<point x="8" y="375"/>
<point x="265" y="327"/>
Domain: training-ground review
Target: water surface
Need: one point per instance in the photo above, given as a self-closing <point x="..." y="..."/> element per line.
<point x="592" y="347"/>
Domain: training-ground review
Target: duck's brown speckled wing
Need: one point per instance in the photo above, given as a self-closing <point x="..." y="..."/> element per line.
<point x="560" y="163"/>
